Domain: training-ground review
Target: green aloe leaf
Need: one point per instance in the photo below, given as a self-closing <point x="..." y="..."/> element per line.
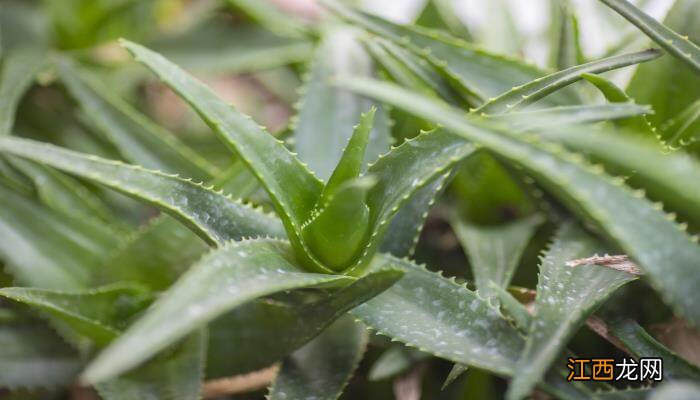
<point x="222" y="280"/>
<point x="174" y="375"/>
<point x="35" y="356"/>
<point x="352" y="160"/>
<point x="566" y="296"/>
<point x="19" y="68"/>
<point x="666" y="177"/>
<point x="616" y="95"/>
<point x="569" y="115"/>
<point x="535" y="90"/>
<point x="327" y="114"/>
<point x="98" y="314"/>
<point x="402" y="235"/>
<point x="321" y="369"/>
<point x="683" y="129"/>
<point x="625" y="216"/>
<point x="667" y="84"/>
<point x="214" y="216"/>
<point x="45" y="249"/>
<point x="438" y="316"/>
<point x="237" y="337"/>
<point x="138" y="139"/>
<point x="679" y="46"/>
<point x="160" y="251"/>
<point x="400" y="175"/>
<point x="494" y="251"/>
<point x="292" y="187"/>
<point x="641" y="344"/>
<point x="477" y="74"/>
<point x="64" y="194"/>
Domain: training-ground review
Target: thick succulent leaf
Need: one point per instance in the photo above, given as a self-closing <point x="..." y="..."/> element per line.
<point x="401" y="174"/>
<point x="401" y="237"/>
<point x="327" y="114"/>
<point x="566" y="296"/>
<point x="679" y="46"/>
<point x="34" y="356"/>
<point x="667" y="84"/>
<point x="661" y="248"/>
<point x="394" y="361"/>
<point x="174" y="375"/>
<point x="678" y="390"/>
<point x="138" y="139"/>
<point x="608" y="88"/>
<point x="494" y="251"/>
<point x="351" y="162"/>
<point x="237" y="337"/>
<point x="222" y="280"/>
<point x="512" y="308"/>
<point x="438" y="316"/>
<point x="616" y="95"/>
<point x="214" y="216"/>
<point x="670" y="178"/>
<point x="535" y="90"/>
<point x="321" y="369"/>
<point x="64" y="194"/>
<point x="641" y="344"/>
<point x="476" y="73"/>
<point x="683" y="129"/>
<point x="163" y="249"/>
<point x="337" y="244"/>
<point x="568" y="115"/>
<point x="45" y="249"/>
<point x="98" y="314"/>
<point x="19" y="67"/>
<point x="217" y="46"/>
<point x="292" y="187"/>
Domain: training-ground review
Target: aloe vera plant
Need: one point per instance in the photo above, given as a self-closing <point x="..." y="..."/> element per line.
<point x="178" y="249"/>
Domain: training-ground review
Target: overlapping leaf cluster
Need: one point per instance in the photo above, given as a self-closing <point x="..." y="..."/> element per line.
<point x="289" y="251"/>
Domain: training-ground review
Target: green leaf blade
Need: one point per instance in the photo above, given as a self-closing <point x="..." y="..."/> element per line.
<point x="632" y="222"/>
<point x="541" y="87"/>
<point x="321" y="369"/>
<point x="440" y="317"/>
<point x="222" y="280"/>
<point x="566" y="296"/>
<point x="679" y="46"/>
<point x="214" y="216"/>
